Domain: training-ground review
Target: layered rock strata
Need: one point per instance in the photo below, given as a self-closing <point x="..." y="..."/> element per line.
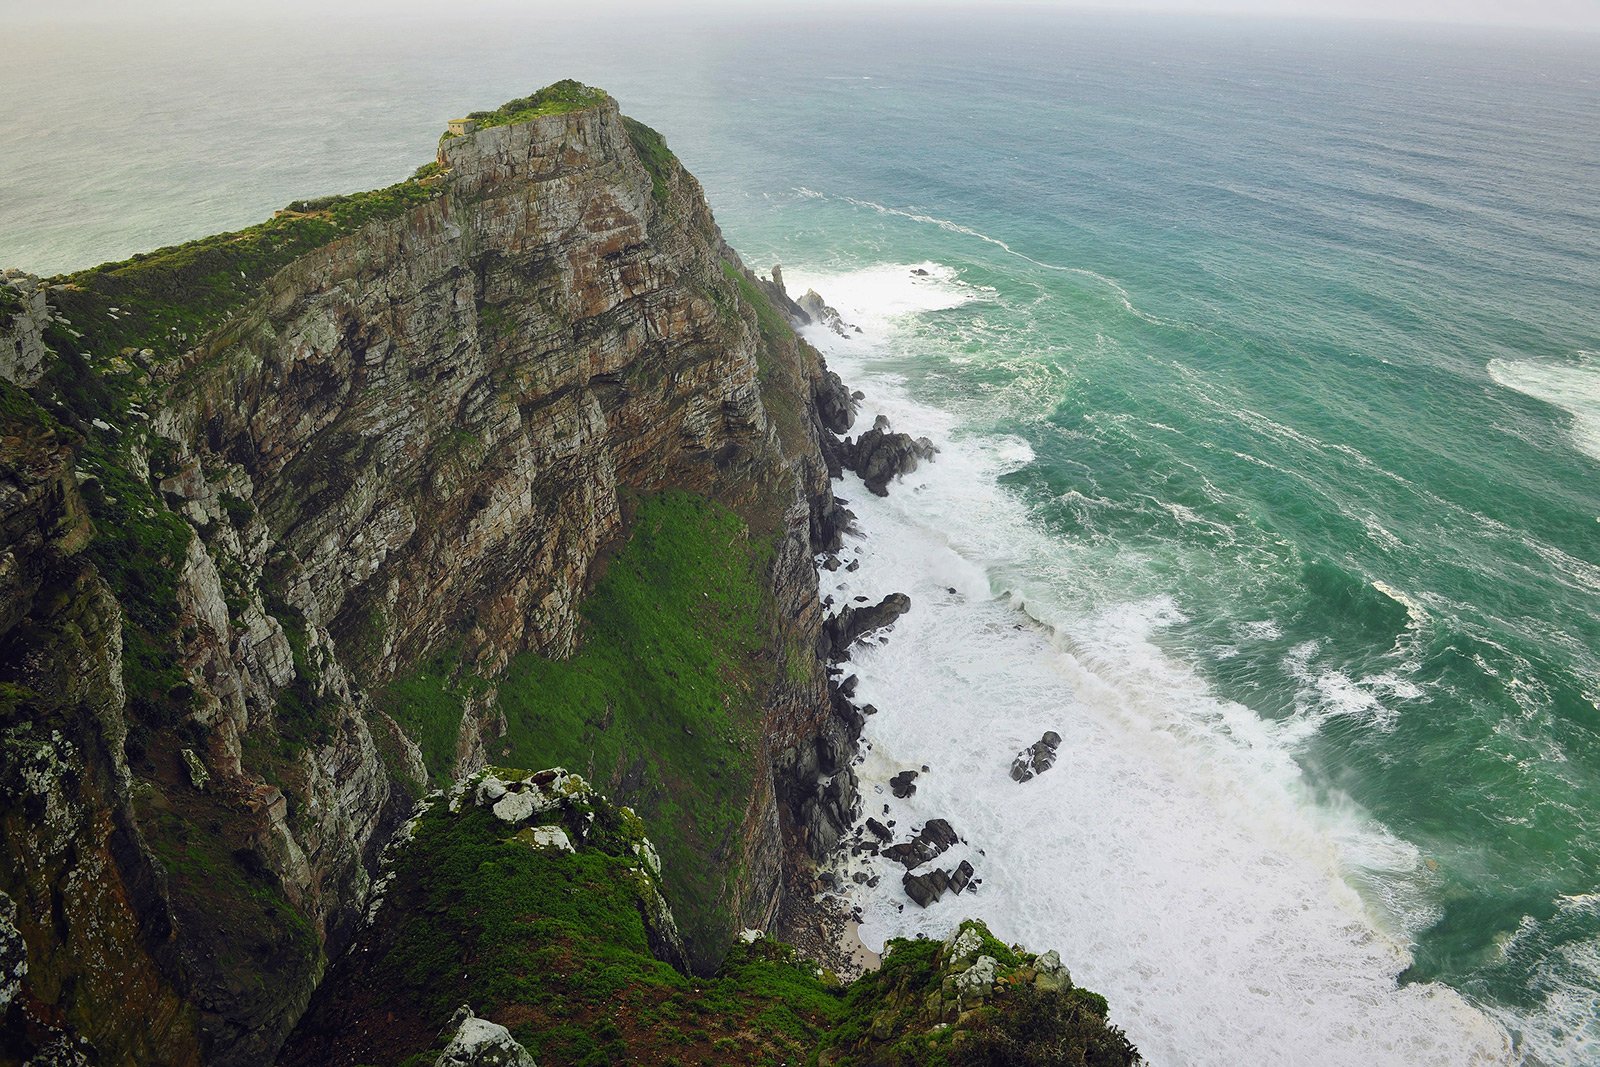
<point x="413" y="444"/>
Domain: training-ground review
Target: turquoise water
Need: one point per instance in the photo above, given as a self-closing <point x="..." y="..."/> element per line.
<point x="1296" y="328"/>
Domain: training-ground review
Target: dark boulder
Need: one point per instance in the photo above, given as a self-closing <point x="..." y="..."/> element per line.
<point x="938" y="835"/>
<point x="927" y="888"/>
<point x="1036" y="758"/>
<point x="907" y="853"/>
<point x="961" y="876"/>
<point x="877" y="829"/>
<point x="903" y="784"/>
<point x="836" y="408"/>
<point x="933" y="840"/>
<point x="830" y="521"/>
<point x="880" y="455"/>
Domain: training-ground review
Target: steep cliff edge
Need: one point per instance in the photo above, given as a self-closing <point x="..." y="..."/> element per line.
<point x="301" y="520"/>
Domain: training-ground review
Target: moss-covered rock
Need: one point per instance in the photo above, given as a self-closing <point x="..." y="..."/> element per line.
<point x="972" y="1000"/>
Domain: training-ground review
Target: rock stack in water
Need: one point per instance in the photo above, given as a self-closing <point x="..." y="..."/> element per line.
<point x="1036" y="758"/>
<point x="881" y="455"/>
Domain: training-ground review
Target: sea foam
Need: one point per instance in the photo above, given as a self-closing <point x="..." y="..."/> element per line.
<point x="1573" y="388"/>
<point x="1173" y="854"/>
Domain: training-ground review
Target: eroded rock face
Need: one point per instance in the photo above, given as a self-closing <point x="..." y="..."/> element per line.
<point x="418" y="436"/>
<point x="24" y="315"/>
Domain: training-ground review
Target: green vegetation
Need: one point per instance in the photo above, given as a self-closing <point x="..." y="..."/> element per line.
<point x="238" y="509"/>
<point x="167" y="300"/>
<point x="10" y="303"/>
<point x="657" y="158"/>
<point x="913" y="1011"/>
<point x="664" y="693"/>
<point x="556" y="946"/>
<point x="428" y="703"/>
<point x="225" y="890"/>
<point x="775" y="329"/>
<point x="558" y="99"/>
<point x="782" y="400"/>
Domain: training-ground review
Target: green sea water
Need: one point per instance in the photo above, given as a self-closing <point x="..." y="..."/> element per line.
<point x="1291" y="332"/>
<point x="1302" y="331"/>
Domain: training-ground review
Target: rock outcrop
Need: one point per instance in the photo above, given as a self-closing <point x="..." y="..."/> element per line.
<point x="881" y="455"/>
<point x="475" y="1042"/>
<point x="972" y="999"/>
<point x="851" y="624"/>
<point x="1036" y="758"/>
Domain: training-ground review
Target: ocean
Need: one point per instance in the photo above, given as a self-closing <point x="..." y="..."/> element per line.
<point x="1264" y="361"/>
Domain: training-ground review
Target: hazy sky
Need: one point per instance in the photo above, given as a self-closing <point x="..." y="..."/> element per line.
<point x="1564" y="14"/>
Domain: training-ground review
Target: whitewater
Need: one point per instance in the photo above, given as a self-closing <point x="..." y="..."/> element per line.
<point x="1171" y="854"/>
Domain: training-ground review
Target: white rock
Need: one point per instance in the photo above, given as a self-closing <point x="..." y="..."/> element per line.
<point x="967" y="942"/>
<point x="647" y="852"/>
<point x="481" y="1043"/>
<point x="551" y="837"/>
<point x="516" y="807"/>
<point x="978" y="979"/>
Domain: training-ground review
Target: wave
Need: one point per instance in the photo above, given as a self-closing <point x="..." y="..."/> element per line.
<point x="1122" y="295"/>
<point x="1574" y="389"/>
<point x="1174" y="853"/>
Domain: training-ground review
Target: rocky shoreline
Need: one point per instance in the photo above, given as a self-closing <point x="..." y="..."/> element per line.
<point x="879" y="457"/>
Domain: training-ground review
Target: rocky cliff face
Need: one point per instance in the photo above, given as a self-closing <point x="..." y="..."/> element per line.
<point x="407" y="449"/>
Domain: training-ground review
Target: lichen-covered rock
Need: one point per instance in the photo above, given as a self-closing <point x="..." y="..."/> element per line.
<point x="24" y="317"/>
<point x="476" y="1042"/>
<point x="13" y="953"/>
<point x="977" y="981"/>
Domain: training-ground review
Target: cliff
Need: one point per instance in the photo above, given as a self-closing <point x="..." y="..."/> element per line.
<point x="301" y="521"/>
<point x="310" y="532"/>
